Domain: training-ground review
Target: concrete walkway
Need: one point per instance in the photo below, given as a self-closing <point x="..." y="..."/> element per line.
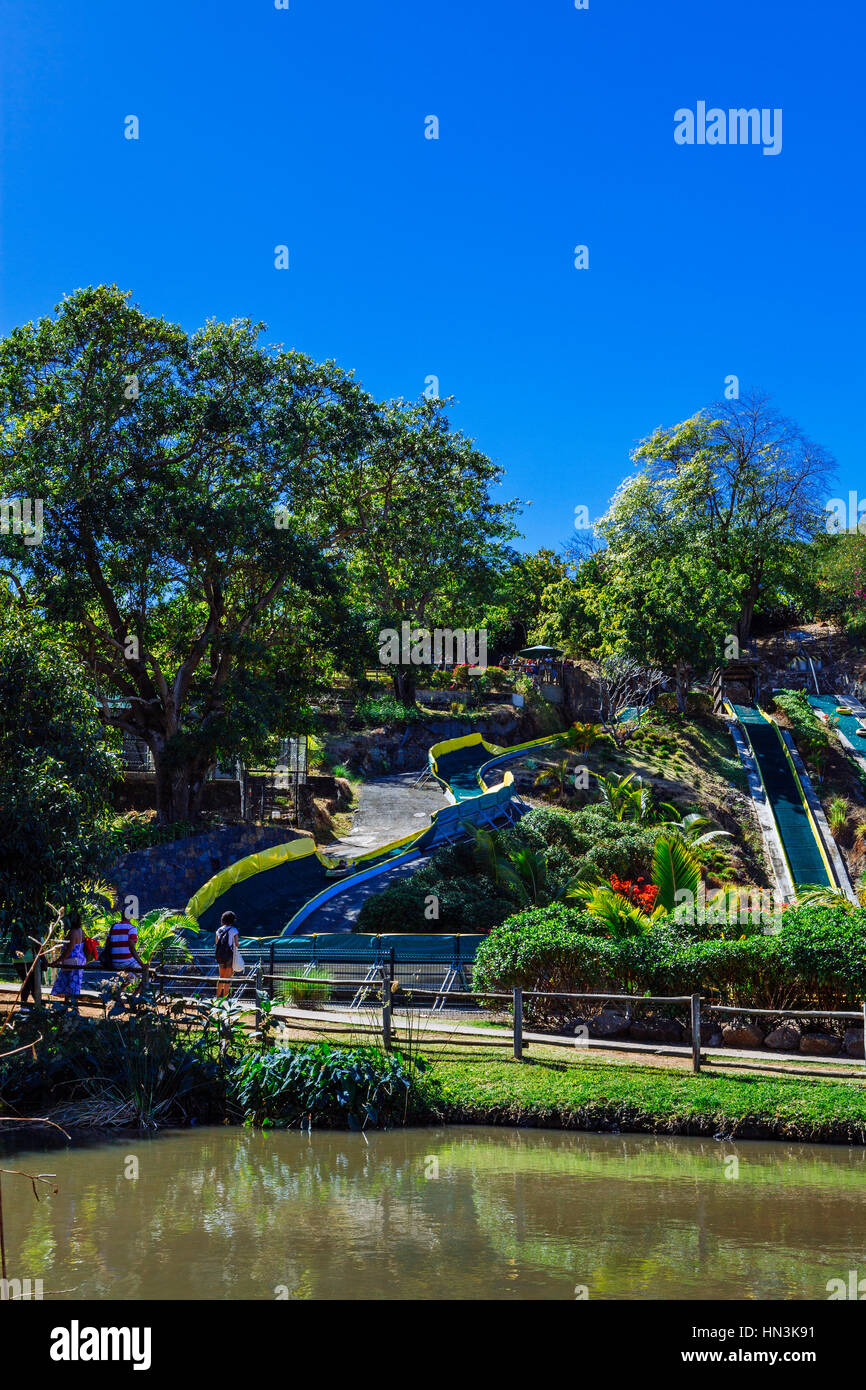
<point x="389" y="808"/>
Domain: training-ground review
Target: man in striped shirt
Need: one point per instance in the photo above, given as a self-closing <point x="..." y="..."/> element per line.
<point x="124" y="941"/>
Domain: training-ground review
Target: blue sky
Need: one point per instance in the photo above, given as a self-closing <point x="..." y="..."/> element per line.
<point x="454" y="257"/>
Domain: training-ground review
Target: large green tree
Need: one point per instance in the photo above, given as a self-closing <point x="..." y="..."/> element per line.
<point x="423" y="538"/>
<point x="740" y="484"/>
<point x="177" y="475"/>
<point x="55" y="774"/>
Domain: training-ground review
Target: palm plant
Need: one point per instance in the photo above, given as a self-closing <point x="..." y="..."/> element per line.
<point x="524" y="871"/>
<point x="675" y="870"/>
<point x="821" y="895"/>
<point x="621" y="916"/>
<point x="626" y="797"/>
<point x="556" y="779"/>
<point x="161" y="929"/>
<point x="582" y="737"/>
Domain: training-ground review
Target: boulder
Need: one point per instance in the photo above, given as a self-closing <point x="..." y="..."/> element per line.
<point x="785" y="1038"/>
<point x="609" y="1024"/>
<point x="852" y="1043"/>
<point x="742" y="1034"/>
<point x="821" y="1044"/>
<point x="656" y="1030"/>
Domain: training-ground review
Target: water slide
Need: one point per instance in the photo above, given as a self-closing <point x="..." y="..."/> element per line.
<point x="849" y="725"/>
<point x="295" y="886"/>
<point x="801" y="839"/>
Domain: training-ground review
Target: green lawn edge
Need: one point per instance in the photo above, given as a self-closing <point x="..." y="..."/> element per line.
<point x="601" y="1096"/>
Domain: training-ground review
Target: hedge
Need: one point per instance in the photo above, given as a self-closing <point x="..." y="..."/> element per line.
<point x="818" y="959"/>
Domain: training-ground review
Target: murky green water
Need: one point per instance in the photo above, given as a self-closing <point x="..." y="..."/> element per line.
<point x="427" y="1214"/>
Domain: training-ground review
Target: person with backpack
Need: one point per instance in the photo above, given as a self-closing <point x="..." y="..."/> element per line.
<point x="227" y="953"/>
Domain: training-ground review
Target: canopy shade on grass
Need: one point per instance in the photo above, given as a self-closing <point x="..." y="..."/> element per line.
<point x="541" y="653"/>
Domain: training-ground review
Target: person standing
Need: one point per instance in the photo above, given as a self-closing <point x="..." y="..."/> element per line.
<point x="227" y="953"/>
<point x="70" y="974"/>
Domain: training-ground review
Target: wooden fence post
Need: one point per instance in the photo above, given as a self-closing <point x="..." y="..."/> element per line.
<point x="696" y="1032"/>
<point x="258" y="988"/>
<point x="518" y="1024"/>
<point x="271" y="981"/>
<point x="864" y="1031"/>
<point x="386" y="1008"/>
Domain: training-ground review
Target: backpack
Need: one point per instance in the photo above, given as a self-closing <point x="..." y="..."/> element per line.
<point x="105" y="954"/>
<point x="224" y="951"/>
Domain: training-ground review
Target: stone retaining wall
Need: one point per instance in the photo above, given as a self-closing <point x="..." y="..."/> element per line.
<point x="168" y="875"/>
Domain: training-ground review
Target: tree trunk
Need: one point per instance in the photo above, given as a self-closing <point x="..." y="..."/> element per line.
<point x="172" y="793"/>
<point x="747" y="611"/>
<point x="179" y="791"/>
<point x="681" y="686"/>
<point x="404" y="680"/>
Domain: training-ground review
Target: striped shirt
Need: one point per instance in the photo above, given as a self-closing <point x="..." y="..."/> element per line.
<point x="123" y="936"/>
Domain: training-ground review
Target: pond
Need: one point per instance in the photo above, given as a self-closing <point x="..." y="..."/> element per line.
<point x="468" y="1213"/>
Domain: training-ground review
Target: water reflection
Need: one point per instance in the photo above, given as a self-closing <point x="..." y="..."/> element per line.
<point x="428" y="1214"/>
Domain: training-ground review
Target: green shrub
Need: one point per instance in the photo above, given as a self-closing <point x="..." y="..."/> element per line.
<point x="136" y="830"/>
<point x="472" y="904"/>
<point x="810" y="735"/>
<point x="825" y="948"/>
<point x="374" y="710"/>
<point x="358" y="1087"/>
<point x="818" y="959"/>
<point x="141" y="1071"/>
<point x="308" y="993"/>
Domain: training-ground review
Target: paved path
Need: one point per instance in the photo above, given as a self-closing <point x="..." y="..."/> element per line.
<point x="390" y="807"/>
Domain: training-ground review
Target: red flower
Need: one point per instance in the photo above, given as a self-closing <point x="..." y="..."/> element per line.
<point x="637" y="891"/>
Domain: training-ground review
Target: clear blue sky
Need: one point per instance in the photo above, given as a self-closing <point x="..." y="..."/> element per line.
<point x="412" y="257"/>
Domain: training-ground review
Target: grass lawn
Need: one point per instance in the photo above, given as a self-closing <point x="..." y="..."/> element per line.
<point x="488" y="1088"/>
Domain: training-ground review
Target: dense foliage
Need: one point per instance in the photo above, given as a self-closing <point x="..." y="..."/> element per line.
<point x="461" y="891"/>
<point x="55" y="779"/>
<point x="153" y="1069"/>
<point x="816" y="959"/>
<point x="358" y="1087"/>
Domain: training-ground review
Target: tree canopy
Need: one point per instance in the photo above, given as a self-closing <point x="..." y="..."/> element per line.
<point x="56" y="774"/>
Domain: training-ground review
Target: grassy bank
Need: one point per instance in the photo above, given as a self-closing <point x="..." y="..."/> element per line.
<point x="597" y="1095"/>
<point x="153" y="1071"/>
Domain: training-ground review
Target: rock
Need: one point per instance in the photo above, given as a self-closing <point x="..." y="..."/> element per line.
<point x="656" y="1030"/>
<point x="785" y="1038"/>
<point x="609" y="1024"/>
<point x="821" y="1044"/>
<point x="852" y="1043"/>
<point x="711" y="1035"/>
<point x="742" y="1034"/>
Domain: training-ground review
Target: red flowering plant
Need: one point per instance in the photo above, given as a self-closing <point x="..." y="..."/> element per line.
<point x="636" y="891"/>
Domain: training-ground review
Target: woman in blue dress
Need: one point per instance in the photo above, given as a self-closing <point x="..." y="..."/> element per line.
<point x="70" y="974"/>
